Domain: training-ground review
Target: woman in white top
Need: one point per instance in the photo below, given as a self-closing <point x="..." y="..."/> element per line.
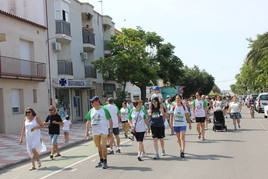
<point x="124" y="118"/>
<point x="31" y="131"/>
<point x="218" y="104"/>
<point x="235" y="111"/>
<point x="138" y="122"/>
<point x="67" y="125"/>
<point x="179" y="117"/>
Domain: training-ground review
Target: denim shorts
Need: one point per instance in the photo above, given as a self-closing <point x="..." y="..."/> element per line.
<point x="236" y="115"/>
<point x="180" y="129"/>
<point x="54" y="139"/>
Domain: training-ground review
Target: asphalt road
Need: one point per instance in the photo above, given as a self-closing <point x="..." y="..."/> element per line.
<point x="240" y="154"/>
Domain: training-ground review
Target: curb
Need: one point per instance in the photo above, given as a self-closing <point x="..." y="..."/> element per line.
<point x="45" y="154"/>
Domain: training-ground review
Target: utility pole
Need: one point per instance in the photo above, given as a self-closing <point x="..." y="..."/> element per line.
<point x="101" y="2"/>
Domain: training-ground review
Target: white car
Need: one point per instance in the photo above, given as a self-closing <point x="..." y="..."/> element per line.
<point x="261" y="101"/>
<point x="266" y="111"/>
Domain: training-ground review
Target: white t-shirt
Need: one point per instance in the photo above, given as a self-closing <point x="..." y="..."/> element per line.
<point x="179" y="118"/>
<point x="124" y="114"/>
<point x="199" y="108"/>
<point x="219" y="105"/>
<point x="66" y="125"/>
<point x="99" y="120"/>
<point x="138" y="119"/>
<point x="114" y="112"/>
<point x="235" y="107"/>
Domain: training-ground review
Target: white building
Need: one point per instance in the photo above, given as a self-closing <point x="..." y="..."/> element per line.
<point x="77" y="37"/>
<point x="23" y="62"/>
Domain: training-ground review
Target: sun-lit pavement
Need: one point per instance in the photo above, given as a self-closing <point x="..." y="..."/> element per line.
<point x="225" y="155"/>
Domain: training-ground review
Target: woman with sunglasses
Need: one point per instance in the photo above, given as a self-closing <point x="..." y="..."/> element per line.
<point x="138" y="122"/>
<point x="31" y="132"/>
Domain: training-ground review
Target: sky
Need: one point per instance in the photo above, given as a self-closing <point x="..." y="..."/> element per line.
<point x="208" y="33"/>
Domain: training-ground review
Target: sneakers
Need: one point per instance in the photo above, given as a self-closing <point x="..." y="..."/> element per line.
<point x="182" y="155"/>
<point x="118" y="151"/>
<point x="104" y="165"/>
<point x="156" y="156"/>
<point x="58" y="155"/>
<point x="163" y="153"/>
<point x="99" y="165"/>
<point x="140" y="159"/>
<point x="111" y="152"/>
<point x="239" y="126"/>
<point x="126" y="136"/>
<point x="51" y="157"/>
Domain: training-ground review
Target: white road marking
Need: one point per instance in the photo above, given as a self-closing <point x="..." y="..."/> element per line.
<point x="80" y="161"/>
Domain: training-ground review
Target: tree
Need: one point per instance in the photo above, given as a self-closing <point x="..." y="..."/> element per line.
<point x="197" y="81"/>
<point x="141" y="58"/>
<point x="253" y="75"/>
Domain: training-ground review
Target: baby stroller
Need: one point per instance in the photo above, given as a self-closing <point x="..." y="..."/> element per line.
<point x="219" y="121"/>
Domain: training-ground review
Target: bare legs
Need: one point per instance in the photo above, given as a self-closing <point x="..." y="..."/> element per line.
<point x="201" y="130"/>
<point x="35" y="157"/>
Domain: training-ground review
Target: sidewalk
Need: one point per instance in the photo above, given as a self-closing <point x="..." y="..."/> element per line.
<point x="12" y="153"/>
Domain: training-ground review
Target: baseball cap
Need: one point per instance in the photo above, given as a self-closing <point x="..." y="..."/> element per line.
<point x="110" y="99"/>
<point x="156" y="88"/>
<point x="168" y="96"/>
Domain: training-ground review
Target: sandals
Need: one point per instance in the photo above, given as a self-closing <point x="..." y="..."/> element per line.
<point x="199" y="136"/>
<point x="58" y="155"/>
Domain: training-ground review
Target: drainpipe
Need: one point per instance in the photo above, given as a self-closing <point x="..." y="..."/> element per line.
<point x="48" y="53"/>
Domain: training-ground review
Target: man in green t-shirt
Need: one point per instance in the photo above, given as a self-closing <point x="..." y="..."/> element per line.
<point x="99" y="119"/>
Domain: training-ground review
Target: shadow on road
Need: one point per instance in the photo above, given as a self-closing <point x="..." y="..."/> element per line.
<point x="215" y="141"/>
<point x="54" y="168"/>
<point x="206" y="157"/>
<point x="132" y="168"/>
<point x="65" y="158"/>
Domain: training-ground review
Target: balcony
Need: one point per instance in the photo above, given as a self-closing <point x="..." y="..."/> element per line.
<point x="90" y="71"/>
<point x="63" y="31"/>
<point x="88" y="39"/>
<point x="107" y="23"/>
<point x="65" y="67"/>
<point x="13" y="68"/>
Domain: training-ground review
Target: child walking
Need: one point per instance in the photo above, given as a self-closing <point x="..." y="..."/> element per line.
<point x="67" y="125"/>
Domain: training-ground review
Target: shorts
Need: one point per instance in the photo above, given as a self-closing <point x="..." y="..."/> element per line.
<point x="124" y="122"/>
<point x="236" y="115"/>
<point x="100" y="139"/>
<point x="116" y="131"/>
<point x="66" y="131"/>
<point x="200" y="119"/>
<point x="179" y="129"/>
<point x="139" y="136"/>
<point x="158" y="132"/>
<point x="54" y="139"/>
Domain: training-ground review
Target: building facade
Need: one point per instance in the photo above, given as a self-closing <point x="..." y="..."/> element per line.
<point x="77" y="37"/>
<point x="23" y="66"/>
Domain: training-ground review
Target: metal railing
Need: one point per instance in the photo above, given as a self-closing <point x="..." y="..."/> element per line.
<point x="90" y="71"/>
<point x="13" y="67"/>
<point x="63" y="27"/>
<point x="65" y="67"/>
<point x="88" y="37"/>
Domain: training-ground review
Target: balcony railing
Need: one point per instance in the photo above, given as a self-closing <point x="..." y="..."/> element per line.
<point x="65" y="67"/>
<point x="90" y="72"/>
<point x="63" y="27"/>
<point x="21" y="69"/>
<point x="88" y="37"/>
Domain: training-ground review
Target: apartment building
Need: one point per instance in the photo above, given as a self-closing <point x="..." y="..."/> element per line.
<point x="77" y="37"/>
<point x="23" y="62"/>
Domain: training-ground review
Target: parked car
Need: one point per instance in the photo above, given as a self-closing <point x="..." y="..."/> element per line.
<point x="261" y="101"/>
<point x="266" y="111"/>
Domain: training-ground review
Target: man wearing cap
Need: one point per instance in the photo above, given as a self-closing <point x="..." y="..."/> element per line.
<point x="99" y="119"/>
<point x="116" y="117"/>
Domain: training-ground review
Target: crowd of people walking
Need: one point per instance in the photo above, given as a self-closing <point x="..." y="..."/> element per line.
<point x="136" y="119"/>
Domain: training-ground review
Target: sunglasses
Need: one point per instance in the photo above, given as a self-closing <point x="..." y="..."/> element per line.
<point x="28" y="112"/>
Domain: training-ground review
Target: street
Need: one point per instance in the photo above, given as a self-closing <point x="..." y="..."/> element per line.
<point x="224" y="155"/>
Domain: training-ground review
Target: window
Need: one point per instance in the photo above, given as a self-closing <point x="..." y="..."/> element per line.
<point x="16" y="100"/>
<point x="65" y="16"/>
<point x="34" y="96"/>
